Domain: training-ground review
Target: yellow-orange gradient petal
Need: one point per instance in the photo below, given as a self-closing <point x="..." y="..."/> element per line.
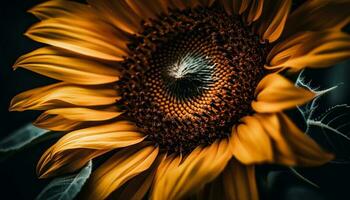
<point x="92" y="141"/>
<point x="137" y="188"/>
<point x="310" y="49"/>
<point x="103" y="137"/>
<point x="275" y="93"/>
<point x="61" y="65"/>
<point x="85" y="114"/>
<point x="63" y="95"/>
<point x="200" y="167"/>
<point x="239" y="6"/>
<point x="146" y="10"/>
<point x="290" y="146"/>
<point x="255" y="10"/>
<point x="56" y="123"/>
<point x="60" y="8"/>
<point x="239" y="181"/>
<point x="119" y="14"/>
<point x="273" y="19"/>
<point x="67" y="162"/>
<point x="120" y="168"/>
<point x="250" y="143"/>
<point x="90" y="37"/>
<point x="318" y="15"/>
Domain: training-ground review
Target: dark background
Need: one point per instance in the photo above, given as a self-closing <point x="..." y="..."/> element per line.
<point x="17" y="174"/>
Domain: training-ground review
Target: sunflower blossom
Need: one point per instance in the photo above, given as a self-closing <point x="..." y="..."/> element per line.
<point x="187" y="94"/>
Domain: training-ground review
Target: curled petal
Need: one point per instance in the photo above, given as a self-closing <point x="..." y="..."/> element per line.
<point x="310" y="49"/>
<point x="276" y="93"/>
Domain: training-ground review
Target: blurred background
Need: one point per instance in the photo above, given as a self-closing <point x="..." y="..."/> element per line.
<point x="17" y="173"/>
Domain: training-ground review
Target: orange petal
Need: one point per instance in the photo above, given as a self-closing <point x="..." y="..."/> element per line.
<point x="61" y="8"/>
<point x="85" y="36"/>
<point x="119" y="14"/>
<point x="146" y="10"/>
<point x="255" y="10"/>
<point x="276" y="93"/>
<point x="240" y="6"/>
<point x="273" y="19"/>
<point x="310" y="49"/>
<point x="239" y="181"/>
<point x="307" y="17"/>
<point x="64" y="66"/>
<point x="120" y="168"/>
<point x="62" y="95"/>
<point x="200" y="167"/>
<point x="250" y="143"/>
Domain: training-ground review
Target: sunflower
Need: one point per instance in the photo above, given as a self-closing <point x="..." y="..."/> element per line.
<point x="187" y="96"/>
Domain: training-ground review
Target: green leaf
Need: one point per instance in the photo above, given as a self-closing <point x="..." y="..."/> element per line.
<point x="66" y="188"/>
<point x="26" y="136"/>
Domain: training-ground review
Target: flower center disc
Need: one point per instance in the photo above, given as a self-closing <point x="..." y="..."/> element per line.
<point x="191" y="76"/>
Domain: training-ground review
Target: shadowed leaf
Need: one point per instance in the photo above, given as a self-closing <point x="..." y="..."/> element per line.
<point x="67" y="187"/>
<point x="26" y="136"/>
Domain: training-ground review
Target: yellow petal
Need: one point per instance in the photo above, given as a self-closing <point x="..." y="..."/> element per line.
<point x="310" y="49"/>
<point x="61" y="8"/>
<point x="276" y="93"/>
<point x="56" y="123"/>
<point x="318" y="15"/>
<point x="84" y="114"/>
<point x="239" y="181"/>
<point x="93" y="38"/>
<point x="64" y="66"/>
<point x="200" y="167"/>
<point x="92" y="141"/>
<point x="273" y="19"/>
<point x="62" y="95"/>
<point x="288" y="144"/>
<point x="120" y="168"/>
<point x="250" y="143"/>
<point x="119" y="14"/>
